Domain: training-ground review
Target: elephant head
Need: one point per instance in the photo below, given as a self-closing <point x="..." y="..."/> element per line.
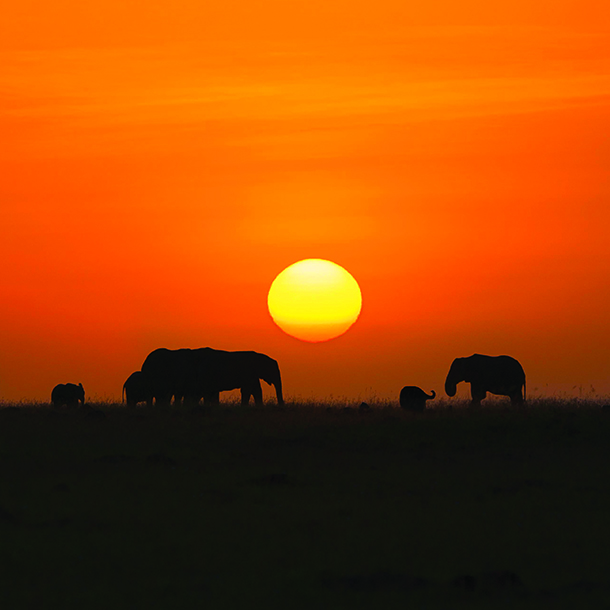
<point x="269" y="371"/>
<point x="457" y="373"/>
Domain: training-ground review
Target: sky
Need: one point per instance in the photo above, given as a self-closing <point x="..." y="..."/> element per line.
<point x="162" y="162"/>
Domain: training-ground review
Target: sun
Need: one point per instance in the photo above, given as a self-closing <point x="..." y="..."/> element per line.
<point x="314" y="300"/>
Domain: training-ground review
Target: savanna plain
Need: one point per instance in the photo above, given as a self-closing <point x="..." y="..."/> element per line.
<point x="306" y="506"/>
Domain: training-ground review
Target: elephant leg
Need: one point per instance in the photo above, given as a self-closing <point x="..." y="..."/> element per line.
<point x="478" y="394"/>
<point x="516" y="399"/>
<point x="257" y="393"/>
<point x="211" y="398"/>
<point x="162" y="401"/>
<point x="253" y="389"/>
<point x="189" y="400"/>
<point x="245" y="396"/>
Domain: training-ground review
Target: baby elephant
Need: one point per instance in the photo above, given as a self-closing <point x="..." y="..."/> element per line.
<point x="68" y="394"/>
<point x="138" y="388"/>
<point x="414" y="398"/>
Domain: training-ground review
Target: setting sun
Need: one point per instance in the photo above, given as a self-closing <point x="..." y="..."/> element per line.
<point x="314" y="300"/>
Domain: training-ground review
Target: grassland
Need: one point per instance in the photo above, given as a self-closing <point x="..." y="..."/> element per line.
<point x="305" y="506"/>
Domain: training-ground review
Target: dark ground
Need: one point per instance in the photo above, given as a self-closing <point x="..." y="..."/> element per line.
<point x="304" y="507"/>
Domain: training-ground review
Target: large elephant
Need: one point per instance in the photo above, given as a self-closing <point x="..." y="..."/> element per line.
<point x="172" y="373"/>
<point x="68" y="394"/>
<point x="138" y="388"/>
<point x="243" y="370"/>
<point x="500" y="375"/>
<point x="413" y="398"/>
<point x="193" y="374"/>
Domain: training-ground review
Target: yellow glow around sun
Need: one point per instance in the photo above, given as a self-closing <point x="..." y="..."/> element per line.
<point x="314" y="300"/>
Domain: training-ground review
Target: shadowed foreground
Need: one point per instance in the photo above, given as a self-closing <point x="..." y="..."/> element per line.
<point x="305" y="507"/>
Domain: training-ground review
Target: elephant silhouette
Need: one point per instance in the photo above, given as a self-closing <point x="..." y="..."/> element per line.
<point x="501" y="375"/>
<point x="413" y="398"/>
<point x="138" y="388"/>
<point x="180" y="374"/>
<point x="68" y="394"/>
<point x="193" y="374"/>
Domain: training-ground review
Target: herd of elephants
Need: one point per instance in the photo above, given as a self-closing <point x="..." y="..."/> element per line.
<point x="193" y="375"/>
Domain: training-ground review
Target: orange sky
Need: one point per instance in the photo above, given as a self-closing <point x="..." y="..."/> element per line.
<point x="161" y="162"/>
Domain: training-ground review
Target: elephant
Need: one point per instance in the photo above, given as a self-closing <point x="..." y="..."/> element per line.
<point x="172" y="373"/>
<point x="414" y="398"/>
<point x="500" y="375"/>
<point x="68" y="394"/>
<point x="193" y="374"/>
<point x="137" y="388"/>
<point x="243" y="370"/>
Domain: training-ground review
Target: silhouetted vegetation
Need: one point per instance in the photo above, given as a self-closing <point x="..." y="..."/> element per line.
<point x="306" y="505"/>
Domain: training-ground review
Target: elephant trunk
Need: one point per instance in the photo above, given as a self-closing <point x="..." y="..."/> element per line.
<point x="432" y="396"/>
<point x="273" y="377"/>
<point x="278" y="390"/>
<point x="454" y="376"/>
